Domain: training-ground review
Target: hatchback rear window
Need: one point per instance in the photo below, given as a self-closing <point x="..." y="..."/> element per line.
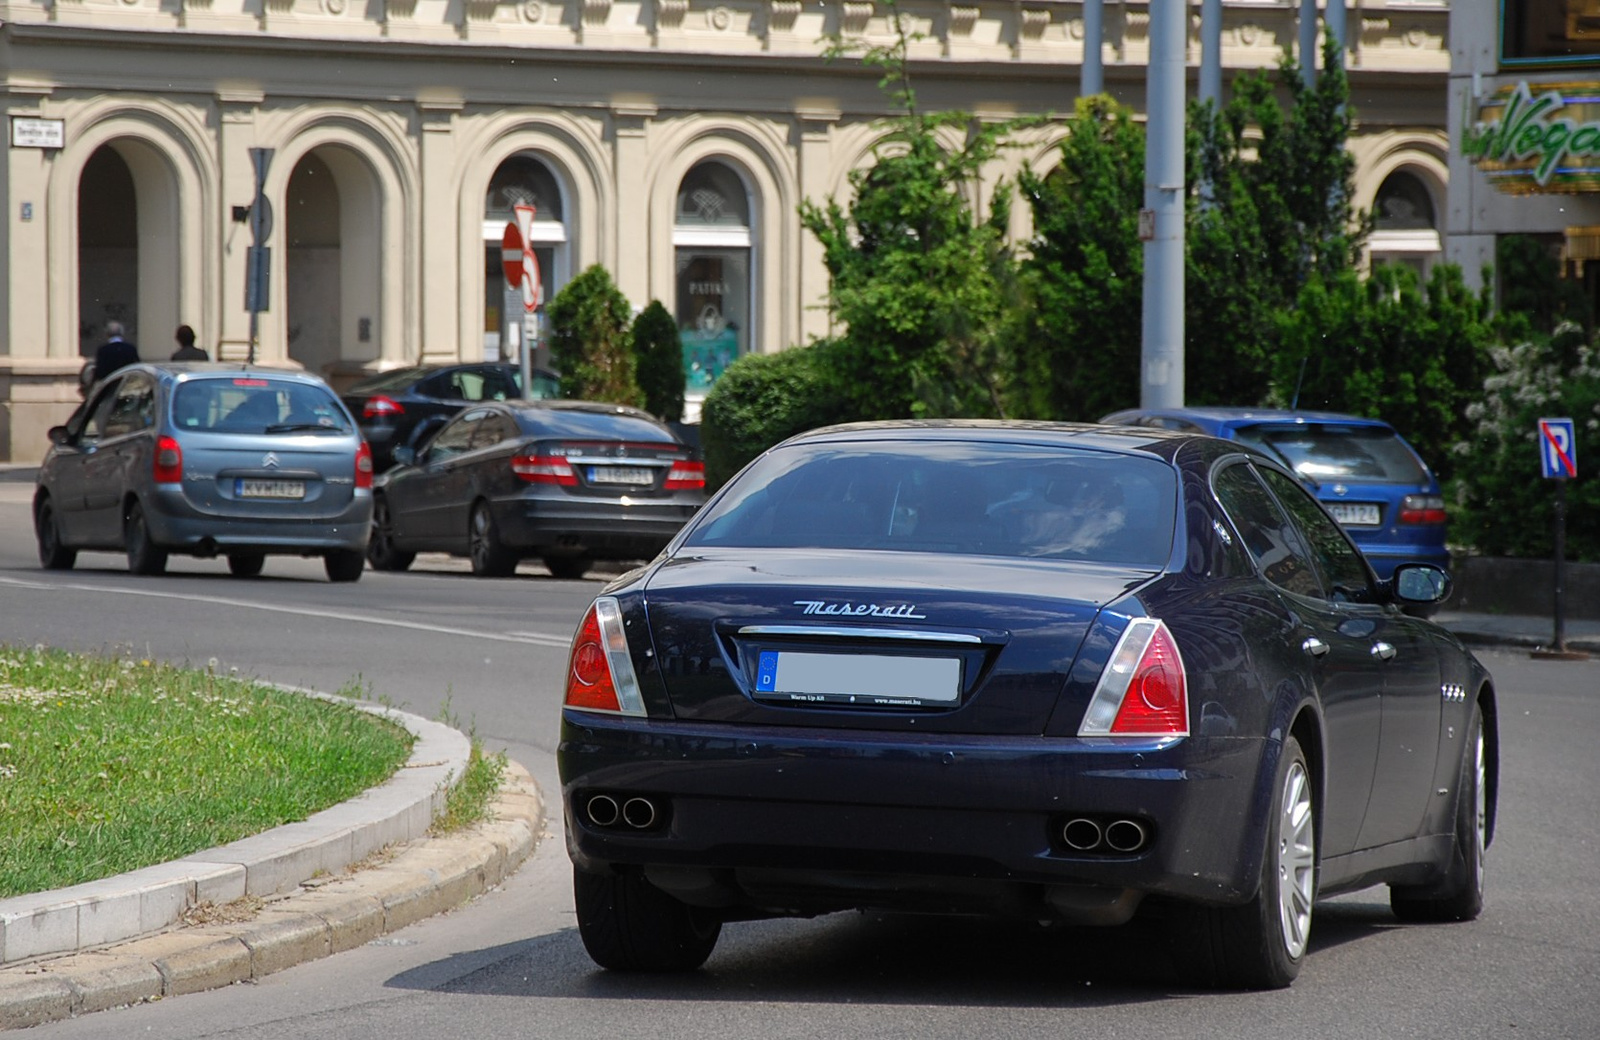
<point x="256" y="404"/>
<point x="949" y="497"/>
<point x="1326" y="451"/>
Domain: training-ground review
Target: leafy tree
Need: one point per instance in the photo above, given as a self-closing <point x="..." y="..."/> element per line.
<point x="590" y="342"/>
<point x="920" y="285"/>
<point x="1272" y="212"/>
<point x="1086" y="268"/>
<point x="659" y="357"/>
<point x="1534" y="298"/>
<point x="1383" y="346"/>
<point x="1555" y="375"/>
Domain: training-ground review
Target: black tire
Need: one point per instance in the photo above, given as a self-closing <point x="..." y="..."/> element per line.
<point x="144" y="557"/>
<point x="246" y="565"/>
<point x="1262" y="944"/>
<point x="568" y="568"/>
<point x="490" y="557"/>
<point x="628" y="924"/>
<point x="1460" y="896"/>
<point x="381" y="551"/>
<point x="344" y="565"/>
<point x="53" y="556"/>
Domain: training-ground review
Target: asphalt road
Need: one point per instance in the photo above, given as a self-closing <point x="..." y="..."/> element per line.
<point x="489" y="654"/>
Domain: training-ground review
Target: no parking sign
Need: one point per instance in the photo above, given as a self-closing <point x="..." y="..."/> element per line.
<point x="1558" y="448"/>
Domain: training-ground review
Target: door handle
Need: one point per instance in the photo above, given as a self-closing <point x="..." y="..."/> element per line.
<point x="1383" y="651"/>
<point x="1315" y="647"/>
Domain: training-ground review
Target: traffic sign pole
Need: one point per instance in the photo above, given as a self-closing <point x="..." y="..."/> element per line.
<point x="1558" y="457"/>
<point x="531" y="290"/>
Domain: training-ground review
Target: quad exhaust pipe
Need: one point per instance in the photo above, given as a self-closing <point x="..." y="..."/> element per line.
<point x="636" y="812"/>
<point x="1121" y="835"/>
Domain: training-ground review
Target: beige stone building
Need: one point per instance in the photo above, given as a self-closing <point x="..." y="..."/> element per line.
<point x="669" y="140"/>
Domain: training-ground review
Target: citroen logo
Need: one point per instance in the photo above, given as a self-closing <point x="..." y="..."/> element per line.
<point x="270" y="460"/>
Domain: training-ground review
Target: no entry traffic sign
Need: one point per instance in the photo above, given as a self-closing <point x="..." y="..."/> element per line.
<point x="1558" y="448"/>
<point x="511" y="246"/>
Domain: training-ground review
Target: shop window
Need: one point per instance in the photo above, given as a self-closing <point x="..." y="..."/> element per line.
<point x="714" y="251"/>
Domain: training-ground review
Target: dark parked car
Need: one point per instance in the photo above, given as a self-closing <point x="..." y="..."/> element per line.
<point x="1369" y="477"/>
<point x="207" y="459"/>
<point x="569" y="482"/>
<point x="1049" y="671"/>
<point x="390" y="406"/>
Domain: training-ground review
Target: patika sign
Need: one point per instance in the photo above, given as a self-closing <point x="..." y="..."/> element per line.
<point x="1546" y="142"/>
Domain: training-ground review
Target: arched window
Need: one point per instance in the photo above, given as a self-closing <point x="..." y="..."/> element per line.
<point x="1404" y="228"/>
<point x="714" y="252"/>
<point x="523" y="179"/>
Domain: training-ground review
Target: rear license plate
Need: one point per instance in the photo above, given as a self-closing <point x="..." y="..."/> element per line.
<point x="864" y="680"/>
<point x="245" y="488"/>
<point x="1353" y="514"/>
<point x="620" y="475"/>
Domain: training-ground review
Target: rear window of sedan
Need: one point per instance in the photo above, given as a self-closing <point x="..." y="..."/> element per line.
<point x="256" y="404"/>
<point x="1322" y="452"/>
<point x="950" y="497"/>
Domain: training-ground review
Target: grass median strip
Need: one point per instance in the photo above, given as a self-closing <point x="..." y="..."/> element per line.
<point x="109" y="764"/>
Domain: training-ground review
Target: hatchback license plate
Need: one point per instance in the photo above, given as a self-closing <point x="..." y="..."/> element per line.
<point x="1353" y="514"/>
<point x="865" y="680"/>
<point x="620" y="475"/>
<point x="244" y="488"/>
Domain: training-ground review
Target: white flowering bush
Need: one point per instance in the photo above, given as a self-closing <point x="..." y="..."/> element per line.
<point x="1502" y="506"/>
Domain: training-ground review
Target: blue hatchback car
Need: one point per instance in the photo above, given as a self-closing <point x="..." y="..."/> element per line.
<point x="1368" y="477"/>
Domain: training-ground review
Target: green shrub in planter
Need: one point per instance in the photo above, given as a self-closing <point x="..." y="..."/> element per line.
<point x="761" y="399"/>
<point x="590" y="341"/>
<point x="659" y="355"/>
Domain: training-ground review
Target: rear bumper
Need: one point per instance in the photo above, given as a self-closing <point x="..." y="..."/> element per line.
<point x="602" y="529"/>
<point x="177" y="526"/>
<point x="800" y="820"/>
<point x="1385" y="558"/>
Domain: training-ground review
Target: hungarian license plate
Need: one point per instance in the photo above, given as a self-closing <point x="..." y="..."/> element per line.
<point x="864" y="680"/>
<point x="620" y="475"/>
<point x="248" y="488"/>
<point x="1355" y="514"/>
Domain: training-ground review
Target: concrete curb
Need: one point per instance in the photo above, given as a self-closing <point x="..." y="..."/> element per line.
<point x="340" y="879"/>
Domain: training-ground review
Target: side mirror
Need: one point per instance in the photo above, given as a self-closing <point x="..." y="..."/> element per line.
<point x="59" y="435"/>
<point x="405" y="455"/>
<point x="1420" y="583"/>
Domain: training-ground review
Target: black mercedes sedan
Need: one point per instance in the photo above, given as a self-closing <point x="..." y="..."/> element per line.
<point x="568" y="482"/>
<point x="1056" y="672"/>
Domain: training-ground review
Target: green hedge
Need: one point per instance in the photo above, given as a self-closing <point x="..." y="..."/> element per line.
<point x="763" y="398"/>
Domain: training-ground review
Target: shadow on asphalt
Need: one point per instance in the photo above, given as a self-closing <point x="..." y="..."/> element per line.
<point x="854" y="958"/>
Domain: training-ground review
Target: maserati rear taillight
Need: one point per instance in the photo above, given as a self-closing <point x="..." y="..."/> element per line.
<point x="168" y="468"/>
<point x="600" y="674"/>
<point x="544" y="469"/>
<point x="1143" y="691"/>
<point x="379" y="407"/>
<point x="685" y="475"/>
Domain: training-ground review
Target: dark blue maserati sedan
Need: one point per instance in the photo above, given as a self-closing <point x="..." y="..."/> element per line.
<point x="1055" y="672"/>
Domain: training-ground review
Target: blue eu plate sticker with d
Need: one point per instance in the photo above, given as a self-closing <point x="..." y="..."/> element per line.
<point x="767" y="671"/>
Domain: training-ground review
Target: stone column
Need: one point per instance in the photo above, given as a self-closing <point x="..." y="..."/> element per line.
<point x="236" y="137"/>
<point x="815" y="126"/>
<point x="627" y="255"/>
<point x="446" y="312"/>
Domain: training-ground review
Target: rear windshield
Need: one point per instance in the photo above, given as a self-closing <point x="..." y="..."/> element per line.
<point x="256" y="404"/>
<point x="950" y="497"/>
<point x="1326" y="451"/>
<point x="398" y="379"/>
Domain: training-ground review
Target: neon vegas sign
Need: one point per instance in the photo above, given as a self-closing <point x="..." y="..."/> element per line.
<point x="1544" y="143"/>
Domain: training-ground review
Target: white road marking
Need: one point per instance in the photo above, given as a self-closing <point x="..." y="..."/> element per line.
<point x="560" y="642"/>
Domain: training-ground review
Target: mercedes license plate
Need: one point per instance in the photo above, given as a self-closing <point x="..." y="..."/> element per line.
<point x="864" y="680"/>
<point x="248" y="488"/>
<point x="620" y="475"/>
<point x="1355" y="514"/>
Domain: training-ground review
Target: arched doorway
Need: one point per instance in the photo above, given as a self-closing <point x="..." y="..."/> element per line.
<point x="523" y="179"/>
<point x="333" y="244"/>
<point x="714" y="247"/>
<point x="128" y="247"/>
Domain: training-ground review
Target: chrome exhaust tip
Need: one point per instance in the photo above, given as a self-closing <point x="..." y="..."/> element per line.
<point x="639" y="813"/>
<point x="1081" y="834"/>
<point x="602" y="810"/>
<point x="1127" y="835"/>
